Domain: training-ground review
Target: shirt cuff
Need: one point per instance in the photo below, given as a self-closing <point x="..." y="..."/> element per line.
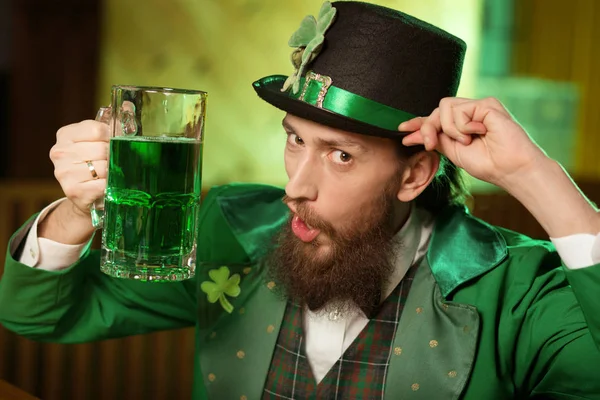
<point x="47" y="254"/>
<point x="578" y="251"/>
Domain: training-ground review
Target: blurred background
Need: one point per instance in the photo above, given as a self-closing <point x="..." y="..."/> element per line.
<point x="58" y="59"/>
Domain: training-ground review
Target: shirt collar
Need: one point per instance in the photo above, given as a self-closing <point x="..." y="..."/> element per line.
<point x="411" y="244"/>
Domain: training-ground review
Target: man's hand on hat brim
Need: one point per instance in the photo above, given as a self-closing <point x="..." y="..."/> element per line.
<point x="480" y="136"/>
<point x="483" y="138"/>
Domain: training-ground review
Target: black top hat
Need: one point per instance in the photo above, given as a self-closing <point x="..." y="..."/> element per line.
<point x="366" y="69"/>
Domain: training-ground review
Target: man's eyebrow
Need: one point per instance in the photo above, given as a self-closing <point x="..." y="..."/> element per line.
<point x="286" y="125"/>
<point x="330" y="142"/>
<point x="341" y="143"/>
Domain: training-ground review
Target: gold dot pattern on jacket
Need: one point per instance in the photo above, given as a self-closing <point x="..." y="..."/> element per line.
<point x="452" y="374"/>
<point x="270" y="329"/>
<point x="247" y="270"/>
<point x="433" y="343"/>
<point x="419" y="310"/>
<point x="398" y="351"/>
<point x="415" y="387"/>
<point x="271" y="285"/>
<point x="212" y="377"/>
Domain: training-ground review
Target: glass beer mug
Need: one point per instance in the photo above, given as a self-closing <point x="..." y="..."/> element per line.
<point x="149" y="213"/>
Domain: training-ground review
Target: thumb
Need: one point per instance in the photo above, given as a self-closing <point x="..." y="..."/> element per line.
<point x="104" y="114"/>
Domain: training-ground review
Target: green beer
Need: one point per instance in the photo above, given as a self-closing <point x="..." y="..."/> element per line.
<point x="151" y="207"/>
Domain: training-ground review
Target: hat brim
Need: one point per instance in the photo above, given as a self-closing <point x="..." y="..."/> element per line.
<point x="269" y="89"/>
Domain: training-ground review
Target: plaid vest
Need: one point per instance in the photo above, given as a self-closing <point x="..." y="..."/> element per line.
<point x="361" y="371"/>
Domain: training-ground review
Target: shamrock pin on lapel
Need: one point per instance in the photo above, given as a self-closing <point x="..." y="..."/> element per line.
<point x="221" y="286"/>
<point x="308" y="40"/>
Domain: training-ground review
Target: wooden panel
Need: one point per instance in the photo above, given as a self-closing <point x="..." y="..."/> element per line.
<point x="53" y="76"/>
<point x="10" y="392"/>
<point x="26" y="365"/>
<point x="109" y="371"/>
<point x="53" y="371"/>
<point x="83" y="366"/>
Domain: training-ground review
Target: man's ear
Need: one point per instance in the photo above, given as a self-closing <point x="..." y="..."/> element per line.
<point x="419" y="171"/>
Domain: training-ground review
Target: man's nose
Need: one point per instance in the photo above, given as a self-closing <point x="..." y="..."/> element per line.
<point x="303" y="181"/>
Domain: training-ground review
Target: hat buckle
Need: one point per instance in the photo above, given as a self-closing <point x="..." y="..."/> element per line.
<point x="314" y="78"/>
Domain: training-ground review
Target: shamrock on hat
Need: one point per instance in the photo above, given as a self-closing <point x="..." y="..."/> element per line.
<point x="308" y="40"/>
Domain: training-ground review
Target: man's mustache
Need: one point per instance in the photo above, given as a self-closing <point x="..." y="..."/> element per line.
<point x="309" y="216"/>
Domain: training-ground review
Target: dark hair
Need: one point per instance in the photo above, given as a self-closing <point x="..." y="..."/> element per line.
<point x="448" y="187"/>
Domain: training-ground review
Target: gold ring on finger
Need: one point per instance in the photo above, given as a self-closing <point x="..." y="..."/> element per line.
<point x="92" y="169"/>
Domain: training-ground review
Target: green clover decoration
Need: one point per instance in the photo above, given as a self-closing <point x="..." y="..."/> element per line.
<point x="222" y="285"/>
<point x="308" y="40"/>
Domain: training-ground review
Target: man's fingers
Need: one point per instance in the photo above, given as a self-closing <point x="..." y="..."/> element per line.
<point x="91" y="131"/>
<point x="447" y="146"/>
<point x="83" y="173"/>
<point x="85" y="131"/>
<point x="89" y="151"/>
<point x="128" y="106"/>
<point x="449" y="126"/>
<point x="413" y="139"/>
<point x="104" y="115"/>
<point x="456" y="119"/>
<point x="127" y="124"/>
<point x="430" y="129"/>
<point x="76" y="173"/>
<point x="411" y="125"/>
<point x="453" y="119"/>
<point x="475" y="128"/>
<point x="84" y="194"/>
<point x="464" y="115"/>
<point x="470" y="116"/>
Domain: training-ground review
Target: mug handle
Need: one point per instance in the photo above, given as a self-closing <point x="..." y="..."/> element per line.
<point x="104" y="115"/>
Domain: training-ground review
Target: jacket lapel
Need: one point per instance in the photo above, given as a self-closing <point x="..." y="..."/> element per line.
<point x="239" y="350"/>
<point x="462" y="248"/>
<point x="435" y="343"/>
<point x="238" y="347"/>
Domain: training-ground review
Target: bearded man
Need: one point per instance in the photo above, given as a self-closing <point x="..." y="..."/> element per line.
<point x="370" y="279"/>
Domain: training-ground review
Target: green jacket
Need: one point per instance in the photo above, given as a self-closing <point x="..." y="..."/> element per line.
<point x="510" y="321"/>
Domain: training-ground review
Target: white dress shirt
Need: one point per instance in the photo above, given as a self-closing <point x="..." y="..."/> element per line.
<point x="327" y="338"/>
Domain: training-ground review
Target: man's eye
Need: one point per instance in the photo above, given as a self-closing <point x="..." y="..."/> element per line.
<point x="340" y="157"/>
<point x="295" y="139"/>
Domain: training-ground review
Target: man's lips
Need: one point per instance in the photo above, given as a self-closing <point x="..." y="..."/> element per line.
<point x="303" y="231"/>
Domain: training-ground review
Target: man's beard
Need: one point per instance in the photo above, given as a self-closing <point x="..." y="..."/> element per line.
<point x="350" y="274"/>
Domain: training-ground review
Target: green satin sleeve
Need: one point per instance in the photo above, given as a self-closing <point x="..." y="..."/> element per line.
<point x="556" y="352"/>
<point x="586" y="286"/>
<point x="81" y="304"/>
